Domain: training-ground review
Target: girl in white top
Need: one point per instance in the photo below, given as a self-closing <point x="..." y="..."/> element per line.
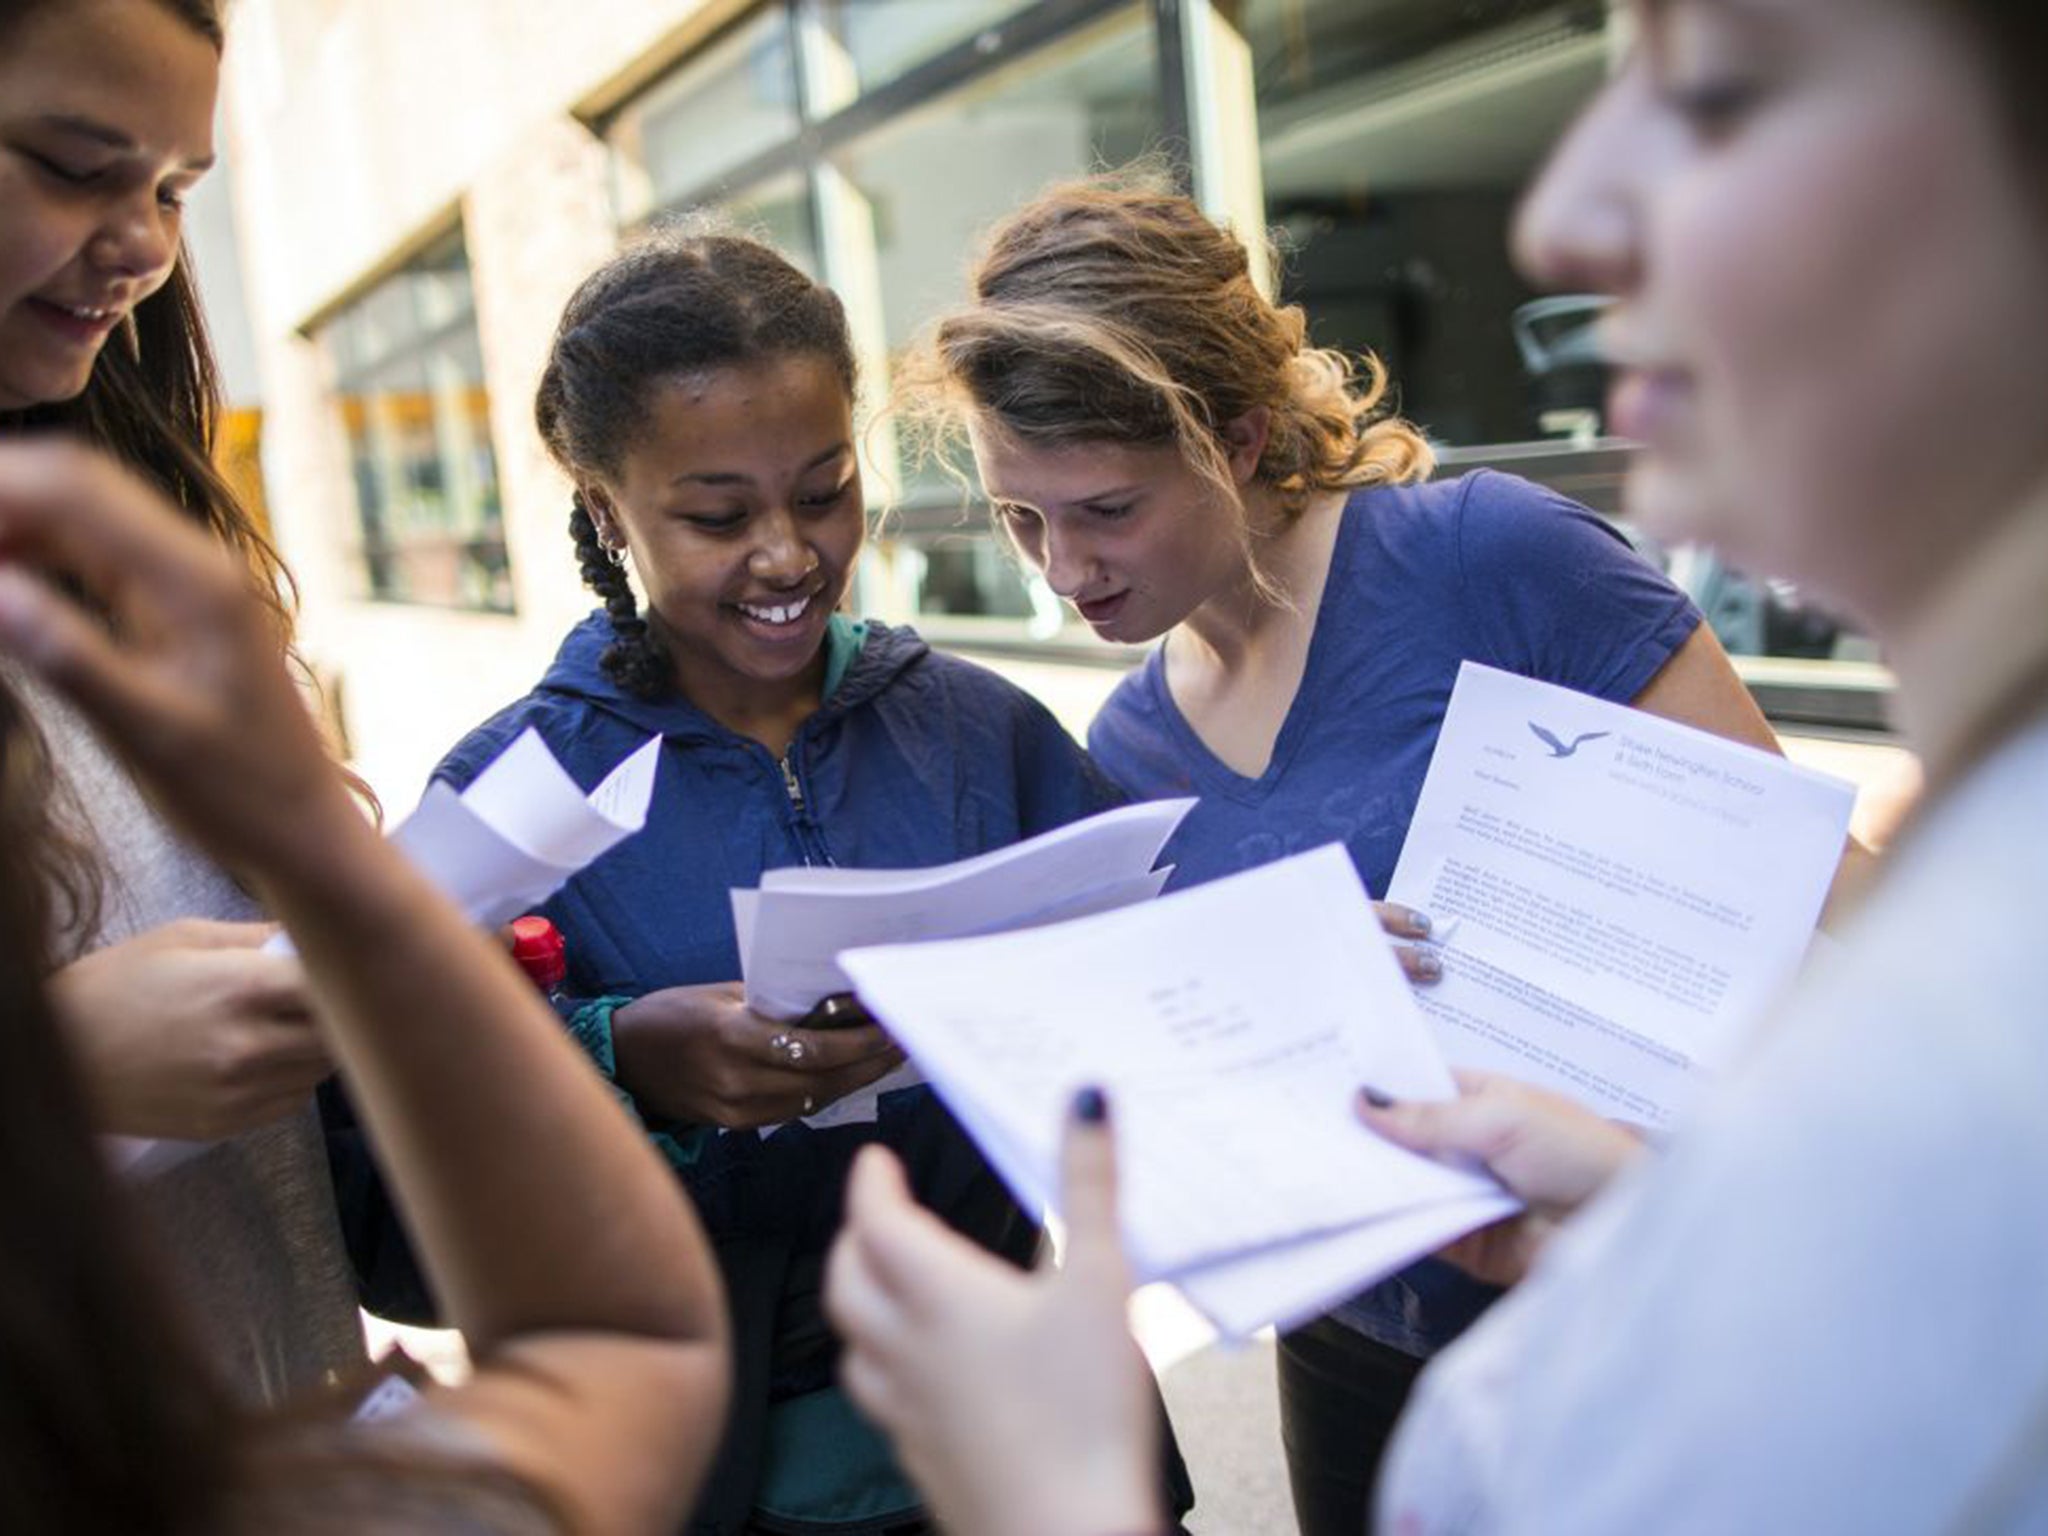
<point x="1825" y="227"/>
<point x="181" y="1026"/>
<point x="552" y="1231"/>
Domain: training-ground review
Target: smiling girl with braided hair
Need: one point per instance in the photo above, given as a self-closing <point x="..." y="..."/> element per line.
<point x="699" y="395"/>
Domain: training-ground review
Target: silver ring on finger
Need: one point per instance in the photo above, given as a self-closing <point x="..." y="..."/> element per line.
<point x="792" y="1049"/>
<point x="810" y="1100"/>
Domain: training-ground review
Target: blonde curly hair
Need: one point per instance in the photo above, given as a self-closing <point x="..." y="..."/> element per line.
<point x="1112" y="309"/>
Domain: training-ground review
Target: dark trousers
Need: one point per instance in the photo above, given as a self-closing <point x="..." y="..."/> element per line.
<point x="1340" y="1393"/>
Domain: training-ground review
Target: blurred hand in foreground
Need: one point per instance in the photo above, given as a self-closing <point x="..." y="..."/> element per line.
<point x="191" y="1031"/>
<point x="1018" y="1402"/>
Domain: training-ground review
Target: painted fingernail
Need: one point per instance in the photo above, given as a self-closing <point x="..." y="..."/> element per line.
<point x="1419" y="923"/>
<point x="1091" y="1106"/>
<point x="1373" y="1098"/>
<point x="1429" y="965"/>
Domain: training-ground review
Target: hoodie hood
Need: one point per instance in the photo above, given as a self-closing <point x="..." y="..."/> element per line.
<point x="577" y="672"/>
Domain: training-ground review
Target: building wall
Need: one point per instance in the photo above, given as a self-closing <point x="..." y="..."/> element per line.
<point x="358" y="130"/>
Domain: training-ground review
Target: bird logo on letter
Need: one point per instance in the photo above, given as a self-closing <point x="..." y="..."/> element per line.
<point x="1558" y="748"/>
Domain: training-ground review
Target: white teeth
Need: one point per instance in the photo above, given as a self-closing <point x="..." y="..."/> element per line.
<point x="90" y="316"/>
<point x="788" y="613"/>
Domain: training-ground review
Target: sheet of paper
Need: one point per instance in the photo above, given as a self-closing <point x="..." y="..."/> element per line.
<point x="800" y="919"/>
<point x="1127" y="840"/>
<point x="1288" y="1284"/>
<point x="1617" y="897"/>
<point x="506" y="843"/>
<point x="811" y="913"/>
<point x="497" y="849"/>
<point x="1231" y="1025"/>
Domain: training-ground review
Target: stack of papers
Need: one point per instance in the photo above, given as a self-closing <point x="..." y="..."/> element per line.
<point x="496" y="849"/>
<point x="1231" y="1026"/>
<point x="1616" y="897"/>
<point x="792" y="930"/>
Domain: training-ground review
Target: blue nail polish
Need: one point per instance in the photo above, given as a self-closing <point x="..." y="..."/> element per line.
<point x="1091" y="1106"/>
<point x="1375" y="1098"/>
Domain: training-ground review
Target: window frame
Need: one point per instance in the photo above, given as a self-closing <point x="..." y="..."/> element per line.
<point x="352" y="380"/>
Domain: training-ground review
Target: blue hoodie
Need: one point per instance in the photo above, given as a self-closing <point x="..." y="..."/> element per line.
<point x="914" y="758"/>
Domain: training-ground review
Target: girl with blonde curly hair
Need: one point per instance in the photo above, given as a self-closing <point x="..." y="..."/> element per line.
<point x="1166" y="446"/>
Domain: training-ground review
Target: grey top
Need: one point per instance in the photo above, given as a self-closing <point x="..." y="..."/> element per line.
<point x="248" y="1225"/>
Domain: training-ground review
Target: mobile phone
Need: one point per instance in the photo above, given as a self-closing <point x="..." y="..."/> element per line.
<point x="837" y="1010"/>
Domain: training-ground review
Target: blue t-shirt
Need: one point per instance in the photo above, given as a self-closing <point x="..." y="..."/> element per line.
<point x="1486" y="568"/>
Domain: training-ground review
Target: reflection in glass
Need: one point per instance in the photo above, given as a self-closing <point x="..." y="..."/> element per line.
<point x="778" y="211"/>
<point x="726" y="105"/>
<point x="881" y="39"/>
<point x="1395" y="136"/>
<point x="933" y="180"/>
<point x="409" y="383"/>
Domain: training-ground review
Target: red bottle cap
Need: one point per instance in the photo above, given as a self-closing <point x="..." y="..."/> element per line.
<point x="537" y="946"/>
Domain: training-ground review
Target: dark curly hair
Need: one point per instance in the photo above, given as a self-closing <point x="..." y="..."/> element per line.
<point x="675" y="302"/>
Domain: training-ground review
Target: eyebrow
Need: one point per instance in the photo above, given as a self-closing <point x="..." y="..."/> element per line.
<point x="106" y="134"/>
<point x="737" y="477"/>
<point x="1108" y="495"/>
<point x="1111" y="494"/>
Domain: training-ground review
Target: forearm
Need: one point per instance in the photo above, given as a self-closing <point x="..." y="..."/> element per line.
<point x="534" y="1203"/>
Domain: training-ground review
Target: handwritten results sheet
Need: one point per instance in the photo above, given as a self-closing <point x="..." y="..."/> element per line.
<point x="1617" y="897"/>
<point x="1231" y="1025"/>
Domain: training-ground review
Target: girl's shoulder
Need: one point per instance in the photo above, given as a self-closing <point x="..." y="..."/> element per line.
<point x="1444" y="508"/>
<point x="1484" y="526"/>
<point x="585" y="738"/>
<point x="898" y="667"/>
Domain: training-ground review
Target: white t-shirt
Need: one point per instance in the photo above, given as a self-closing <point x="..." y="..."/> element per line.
<point x="1825" y="1308"/>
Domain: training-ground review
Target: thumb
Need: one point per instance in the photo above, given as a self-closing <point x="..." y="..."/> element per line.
<point x="1088" y="1183"/>
<point x="1467" y="1126"/>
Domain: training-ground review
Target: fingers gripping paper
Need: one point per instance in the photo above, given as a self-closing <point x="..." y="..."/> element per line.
<point x="496" y="849"/>
<point x="1231" y="1026"/>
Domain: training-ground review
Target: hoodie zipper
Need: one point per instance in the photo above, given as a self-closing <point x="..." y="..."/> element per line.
<point x="791" y="784"/>
<point x="810" y="839"/>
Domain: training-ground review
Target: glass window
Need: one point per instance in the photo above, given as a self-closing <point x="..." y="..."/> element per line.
<point x="934" y="178"/>
<point x="928" y="183"/>
<point x="1394" y="139"/>
<point x="726" y="105"/>
<point x="971" y="574"/>
<point x="878" y="40"/>
<point x="409" y="381"/>
<point x="777" y="210"/>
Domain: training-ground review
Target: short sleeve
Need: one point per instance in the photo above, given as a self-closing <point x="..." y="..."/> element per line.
<point x="1550" y="591"/>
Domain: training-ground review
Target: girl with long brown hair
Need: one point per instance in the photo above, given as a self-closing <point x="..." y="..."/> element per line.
<point x="579" y="1276"/>
<point x="180" y="1026"/>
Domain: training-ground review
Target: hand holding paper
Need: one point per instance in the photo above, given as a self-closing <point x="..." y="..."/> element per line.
<point x="499" y="848"/>
<point x="793" y="928"/>
<point x="952" y="1351"/>
<point x="1230" y="1025"/>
